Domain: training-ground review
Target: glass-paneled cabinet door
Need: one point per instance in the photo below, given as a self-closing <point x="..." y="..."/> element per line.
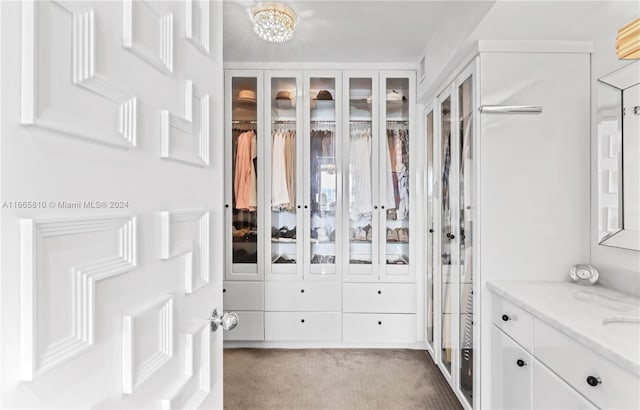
<point x="429" y="180"/>
<point x="322" y="185"/>
<point x="397" y="96"/>
<point x="242" y="142"/>
<point x="361" y="173"/>
<point x="284" y="172"/>
<point x="466" y="206"/>
<point x="446" y="262"/>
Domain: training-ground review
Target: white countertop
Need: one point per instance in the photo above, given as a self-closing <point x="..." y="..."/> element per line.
<point x="578" y="311"/>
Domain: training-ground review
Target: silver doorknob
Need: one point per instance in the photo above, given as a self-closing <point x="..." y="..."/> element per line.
<point x="228" y="321"/>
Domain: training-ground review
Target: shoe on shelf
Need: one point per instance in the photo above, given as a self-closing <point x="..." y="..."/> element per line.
<point x="290" y="234"/>
<point x="392" y="235"/>
<point x="369" y="231"/>
<point x="403" y="234"/>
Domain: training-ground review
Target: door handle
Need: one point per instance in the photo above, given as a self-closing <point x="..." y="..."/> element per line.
<point x="228" y="321"/>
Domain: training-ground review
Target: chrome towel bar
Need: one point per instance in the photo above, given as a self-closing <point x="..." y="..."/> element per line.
<point x="511" y="109"/>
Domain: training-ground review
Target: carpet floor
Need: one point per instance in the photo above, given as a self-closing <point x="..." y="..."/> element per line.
<point x="348" y="379"/>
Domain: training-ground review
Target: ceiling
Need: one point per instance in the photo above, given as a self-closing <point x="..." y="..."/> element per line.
<point x="348" y="31"/>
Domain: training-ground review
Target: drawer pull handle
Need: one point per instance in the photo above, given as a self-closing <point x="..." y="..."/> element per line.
<point x="302" y="321"/>
<point x="521" y="363"/>
<point x="506" y="318"/>
<point x="593" y="381"/>
<point x="301" y="290"/>
<point x="380" y="322"/>
<point x="379" y="292"/>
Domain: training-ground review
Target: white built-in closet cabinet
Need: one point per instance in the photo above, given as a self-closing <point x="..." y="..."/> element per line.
<point x="346" y="275"/>
<point x="506" y="191"/>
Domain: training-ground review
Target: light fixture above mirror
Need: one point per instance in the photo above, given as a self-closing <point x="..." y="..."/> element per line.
<point x="273" y="22"/>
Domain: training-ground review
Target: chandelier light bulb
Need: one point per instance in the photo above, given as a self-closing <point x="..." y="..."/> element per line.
<point x="273" y="22"/>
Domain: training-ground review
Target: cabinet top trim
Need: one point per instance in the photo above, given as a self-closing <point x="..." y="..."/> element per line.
<point x="257" y="65"/>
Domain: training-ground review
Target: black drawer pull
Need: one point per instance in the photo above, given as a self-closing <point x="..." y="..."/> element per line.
<point x="380" y="322"/>
<point x="302" y="321"/>
<point x="379" y="292"/>
<point x="506" y="318"/>
<point x="593" y="381"/>
<point x="301" y="290"/>
<point x="521" y="363"/>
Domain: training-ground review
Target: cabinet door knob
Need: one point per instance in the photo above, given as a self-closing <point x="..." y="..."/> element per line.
<point x="226" y="205"/>
<point x="451" y="236"/>
<point x="430" y="230"/>
<point x="505" y="318"/>
<point x="380" y="322"/>
<point x="593" y="381"/>
<point x="521" y="363"/>
<point x="302" y="321"/>
<point x="379" y="292"/>
<point x="301" y="290"/>
<point x="306" y="207"/>
<point x="382" y="207"/>
<point x="224" y="290"/>
<point x="299" y="206"/>
<point x="375" y="207"/>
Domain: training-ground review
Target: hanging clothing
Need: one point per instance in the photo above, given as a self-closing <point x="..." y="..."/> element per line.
<point x="398" y="175"/>
<point x="361" y="173"/>
<point x="244" y="184"/>
<point x="290" y="167"/>
<point x="279" y="191"/>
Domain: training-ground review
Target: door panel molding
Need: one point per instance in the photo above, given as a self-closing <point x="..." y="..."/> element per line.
<point x="174" y="244"/>
<point x="84" y="75"/>
<point x="197" y="378"/>
<point x="161" y="60"/>
<point x="134" y="370"/>
<point x="175" y="147"/>
<point x="82" y="279"/>
<point x="198" y="35"/>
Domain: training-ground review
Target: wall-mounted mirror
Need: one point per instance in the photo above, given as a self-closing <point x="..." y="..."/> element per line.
<point x="619" y="158"/>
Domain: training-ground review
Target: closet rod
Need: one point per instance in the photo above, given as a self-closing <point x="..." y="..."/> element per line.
<point x="398" y="121"/>
<point x="284" y="121"/>
<point x="360" y="121"/>
<point x="243" y="122"/>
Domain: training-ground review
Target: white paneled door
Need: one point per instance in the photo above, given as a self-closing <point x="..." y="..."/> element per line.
<point x="111" y="190"/>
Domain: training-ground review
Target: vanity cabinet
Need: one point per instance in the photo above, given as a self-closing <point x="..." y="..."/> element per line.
<point x="326" y="227"/>
<point x="535" y="365"/>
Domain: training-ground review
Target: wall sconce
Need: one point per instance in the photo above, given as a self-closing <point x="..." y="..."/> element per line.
<point x="628" y="41"/>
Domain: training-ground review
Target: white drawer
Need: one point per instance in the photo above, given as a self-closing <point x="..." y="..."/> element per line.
<point x="510" y="373"/>
<point x="575" y="362"/>
<point x="551" y="393"/>
<point x="243" y="295"/>
<point x="372" y="328"/>
<point x="250" y="327"/>
<point x="308" y="326"/>
<point x="514" y="321"/>
<point x="379" y="298"/>
<point x="302" y="296"/>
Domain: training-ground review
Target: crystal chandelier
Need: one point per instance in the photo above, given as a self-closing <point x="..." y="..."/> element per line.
<point x="273" y="22"/>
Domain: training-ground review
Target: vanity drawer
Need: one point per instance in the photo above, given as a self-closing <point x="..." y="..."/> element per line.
<point x="306" y="326"/>
<point x="243" y="295"/>
<point x="250" y="327"/>
<point x="551" y="392"/>
<point x="379" y="298"/>
<point x="514" y="321"/>
<point x="302" y="296"/>
<point x="575" y="362"/>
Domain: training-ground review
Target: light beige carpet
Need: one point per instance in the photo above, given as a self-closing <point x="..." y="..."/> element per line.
<point x="334" y="379"/>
